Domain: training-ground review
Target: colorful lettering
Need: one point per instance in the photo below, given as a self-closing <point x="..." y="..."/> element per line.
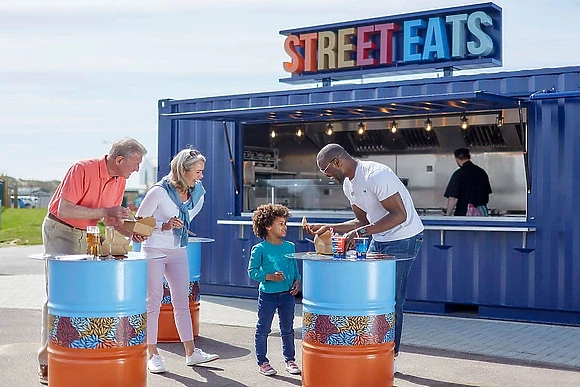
<point x="364" y="46"/>
<point x="345" y="47"/>
<point x="326" y="50"/>
<point x="412" y="41"/>
<point x="422" y="40"/>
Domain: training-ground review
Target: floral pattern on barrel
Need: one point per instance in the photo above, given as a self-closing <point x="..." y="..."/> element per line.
<point x="348" y="330"/>
<point x="97" y="332"/>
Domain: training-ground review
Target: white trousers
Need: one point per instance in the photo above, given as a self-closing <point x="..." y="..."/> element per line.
<point x="175" y="268"/>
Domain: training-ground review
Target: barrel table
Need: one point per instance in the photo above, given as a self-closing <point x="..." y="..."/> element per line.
<point x="97" y="320"/>
<point x="167" y="331"/>
<point x="348" y="322"/>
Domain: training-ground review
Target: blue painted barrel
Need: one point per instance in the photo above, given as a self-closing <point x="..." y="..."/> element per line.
<point x="348" y="323"/>
<point x="97" y="322"/>
<point x="167" y="331"/>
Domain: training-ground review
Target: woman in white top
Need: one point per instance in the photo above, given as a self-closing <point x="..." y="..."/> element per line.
<point x="174" y="201"/>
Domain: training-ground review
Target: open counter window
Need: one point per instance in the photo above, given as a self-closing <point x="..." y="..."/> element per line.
<point x="280" y="159"/>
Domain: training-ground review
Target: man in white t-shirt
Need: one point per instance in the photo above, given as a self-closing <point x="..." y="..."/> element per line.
<point x="383" y="209"/>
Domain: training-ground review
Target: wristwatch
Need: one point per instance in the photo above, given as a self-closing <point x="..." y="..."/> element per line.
<point x="362" y="231"/>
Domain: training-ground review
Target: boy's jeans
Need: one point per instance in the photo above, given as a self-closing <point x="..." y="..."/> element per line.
<point x="267" y="305"/>
<point x="402" y="248"/>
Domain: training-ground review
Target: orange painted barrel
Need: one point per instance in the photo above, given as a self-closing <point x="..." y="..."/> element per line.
<point x="348" y="322"/>
<point x="97" y="322"/>
<point x="167" y="331"/>
<point x="122" y="366"/>
<point x="364" y="365"/>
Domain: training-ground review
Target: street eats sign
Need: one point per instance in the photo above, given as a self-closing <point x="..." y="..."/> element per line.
<point x="453" y="38"/>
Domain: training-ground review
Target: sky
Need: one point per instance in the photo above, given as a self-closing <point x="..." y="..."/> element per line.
<point x="76" y="75"/>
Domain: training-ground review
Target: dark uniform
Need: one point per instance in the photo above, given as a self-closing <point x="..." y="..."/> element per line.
<point x="470" y="185"/>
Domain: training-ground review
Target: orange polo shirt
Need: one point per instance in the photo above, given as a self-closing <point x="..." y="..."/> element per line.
<point x="88" y="183"/>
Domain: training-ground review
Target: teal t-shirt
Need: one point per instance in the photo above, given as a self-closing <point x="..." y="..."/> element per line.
<point x="267" y="258"/>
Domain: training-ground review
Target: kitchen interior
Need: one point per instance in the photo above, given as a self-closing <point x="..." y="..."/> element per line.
<point x="280" y="160"/>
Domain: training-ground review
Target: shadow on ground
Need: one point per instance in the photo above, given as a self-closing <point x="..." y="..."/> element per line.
<point x="224" y="350"/>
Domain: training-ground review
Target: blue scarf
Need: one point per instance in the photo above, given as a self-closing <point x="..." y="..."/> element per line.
<point x="195" y="193"/>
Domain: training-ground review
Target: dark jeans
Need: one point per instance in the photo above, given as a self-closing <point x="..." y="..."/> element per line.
<point x="402" y="248"/>
<point x="267" y="305"/>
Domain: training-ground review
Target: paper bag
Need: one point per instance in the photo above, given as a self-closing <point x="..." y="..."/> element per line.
<point x="323" y="243"/>
<point x="120" y="245"/>
<point x="143" y="226"/>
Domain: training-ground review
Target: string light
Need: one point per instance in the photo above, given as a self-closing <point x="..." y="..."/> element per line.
<point x="464" y="123"/>
<point x="360" y="129"/>
<point x="500" y="120"/>
<point x="394" y="126"/>
<point x="273" y="133"/>
<point x="329" y="130"/>
<point x="428" y="125"/>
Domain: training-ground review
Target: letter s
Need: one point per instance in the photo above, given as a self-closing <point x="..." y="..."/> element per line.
<point x="485" y="45"/>
<point x="296" y="66"/>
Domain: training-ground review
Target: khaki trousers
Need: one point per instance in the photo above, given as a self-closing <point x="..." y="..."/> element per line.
<point x="57" y="239"/>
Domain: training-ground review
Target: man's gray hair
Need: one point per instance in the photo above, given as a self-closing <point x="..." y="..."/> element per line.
<point x="127" y="147"/>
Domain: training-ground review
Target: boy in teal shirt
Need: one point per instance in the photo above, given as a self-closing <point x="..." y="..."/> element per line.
<point x="279" y="283"/>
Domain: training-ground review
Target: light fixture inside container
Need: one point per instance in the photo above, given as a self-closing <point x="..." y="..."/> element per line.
<point x="300" y="133"/>
<point x="273" y="134"/>
<point x="500" y="120"/>
<point x="329" y="130"/>
<point x="394" y="126"/>
<point x="428" y="125"/>
<point x="360" y="129"/>
<point x="464" y="123"/>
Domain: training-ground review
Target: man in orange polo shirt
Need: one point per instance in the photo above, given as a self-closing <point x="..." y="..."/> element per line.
<point x="91" y="190"/>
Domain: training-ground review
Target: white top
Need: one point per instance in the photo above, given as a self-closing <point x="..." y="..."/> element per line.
<point x="373" y="183"/>
<point x="158" y="204"/>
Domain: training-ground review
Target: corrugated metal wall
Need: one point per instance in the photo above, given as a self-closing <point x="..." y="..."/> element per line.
<point x="482" y="268"/>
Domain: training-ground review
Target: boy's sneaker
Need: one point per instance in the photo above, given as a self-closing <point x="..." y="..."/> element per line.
<point x="395" y="366"/>
<point x="292" y="367"/>
<point x="155" y="364"/>
<point x="266" y="369"/>
<point x="198" y="357"/>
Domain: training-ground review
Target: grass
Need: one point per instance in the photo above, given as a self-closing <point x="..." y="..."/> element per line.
<point x="21" y="226"/>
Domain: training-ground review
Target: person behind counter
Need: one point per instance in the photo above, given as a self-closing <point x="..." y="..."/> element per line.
<point x="279" y="283"/>
<point x="468" y="189"/>
<point x="383" y="209"/>
<point x="173" y="202"/>
<point x="91" y="190"/>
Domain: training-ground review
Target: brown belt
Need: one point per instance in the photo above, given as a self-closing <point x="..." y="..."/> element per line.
<point x="52" y="217"/>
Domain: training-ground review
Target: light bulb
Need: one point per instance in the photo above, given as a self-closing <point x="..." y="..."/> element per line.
<point x="329" y="130"/>
<point x="464" y="123"/>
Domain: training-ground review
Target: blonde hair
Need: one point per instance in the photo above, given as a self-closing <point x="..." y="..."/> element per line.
<point x="182" y="162"/>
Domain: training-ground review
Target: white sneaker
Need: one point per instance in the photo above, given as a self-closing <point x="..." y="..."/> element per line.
<point x="155" y="364"/>
<point x="395" y="366"/>
<point x="198" y="357"/>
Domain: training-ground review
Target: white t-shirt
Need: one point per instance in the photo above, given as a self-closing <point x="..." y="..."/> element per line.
<point x="158" y="204"/>
<point x="373" y="183"/>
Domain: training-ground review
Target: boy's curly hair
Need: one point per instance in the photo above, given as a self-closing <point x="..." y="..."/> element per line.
<point x="264" y="217"/>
